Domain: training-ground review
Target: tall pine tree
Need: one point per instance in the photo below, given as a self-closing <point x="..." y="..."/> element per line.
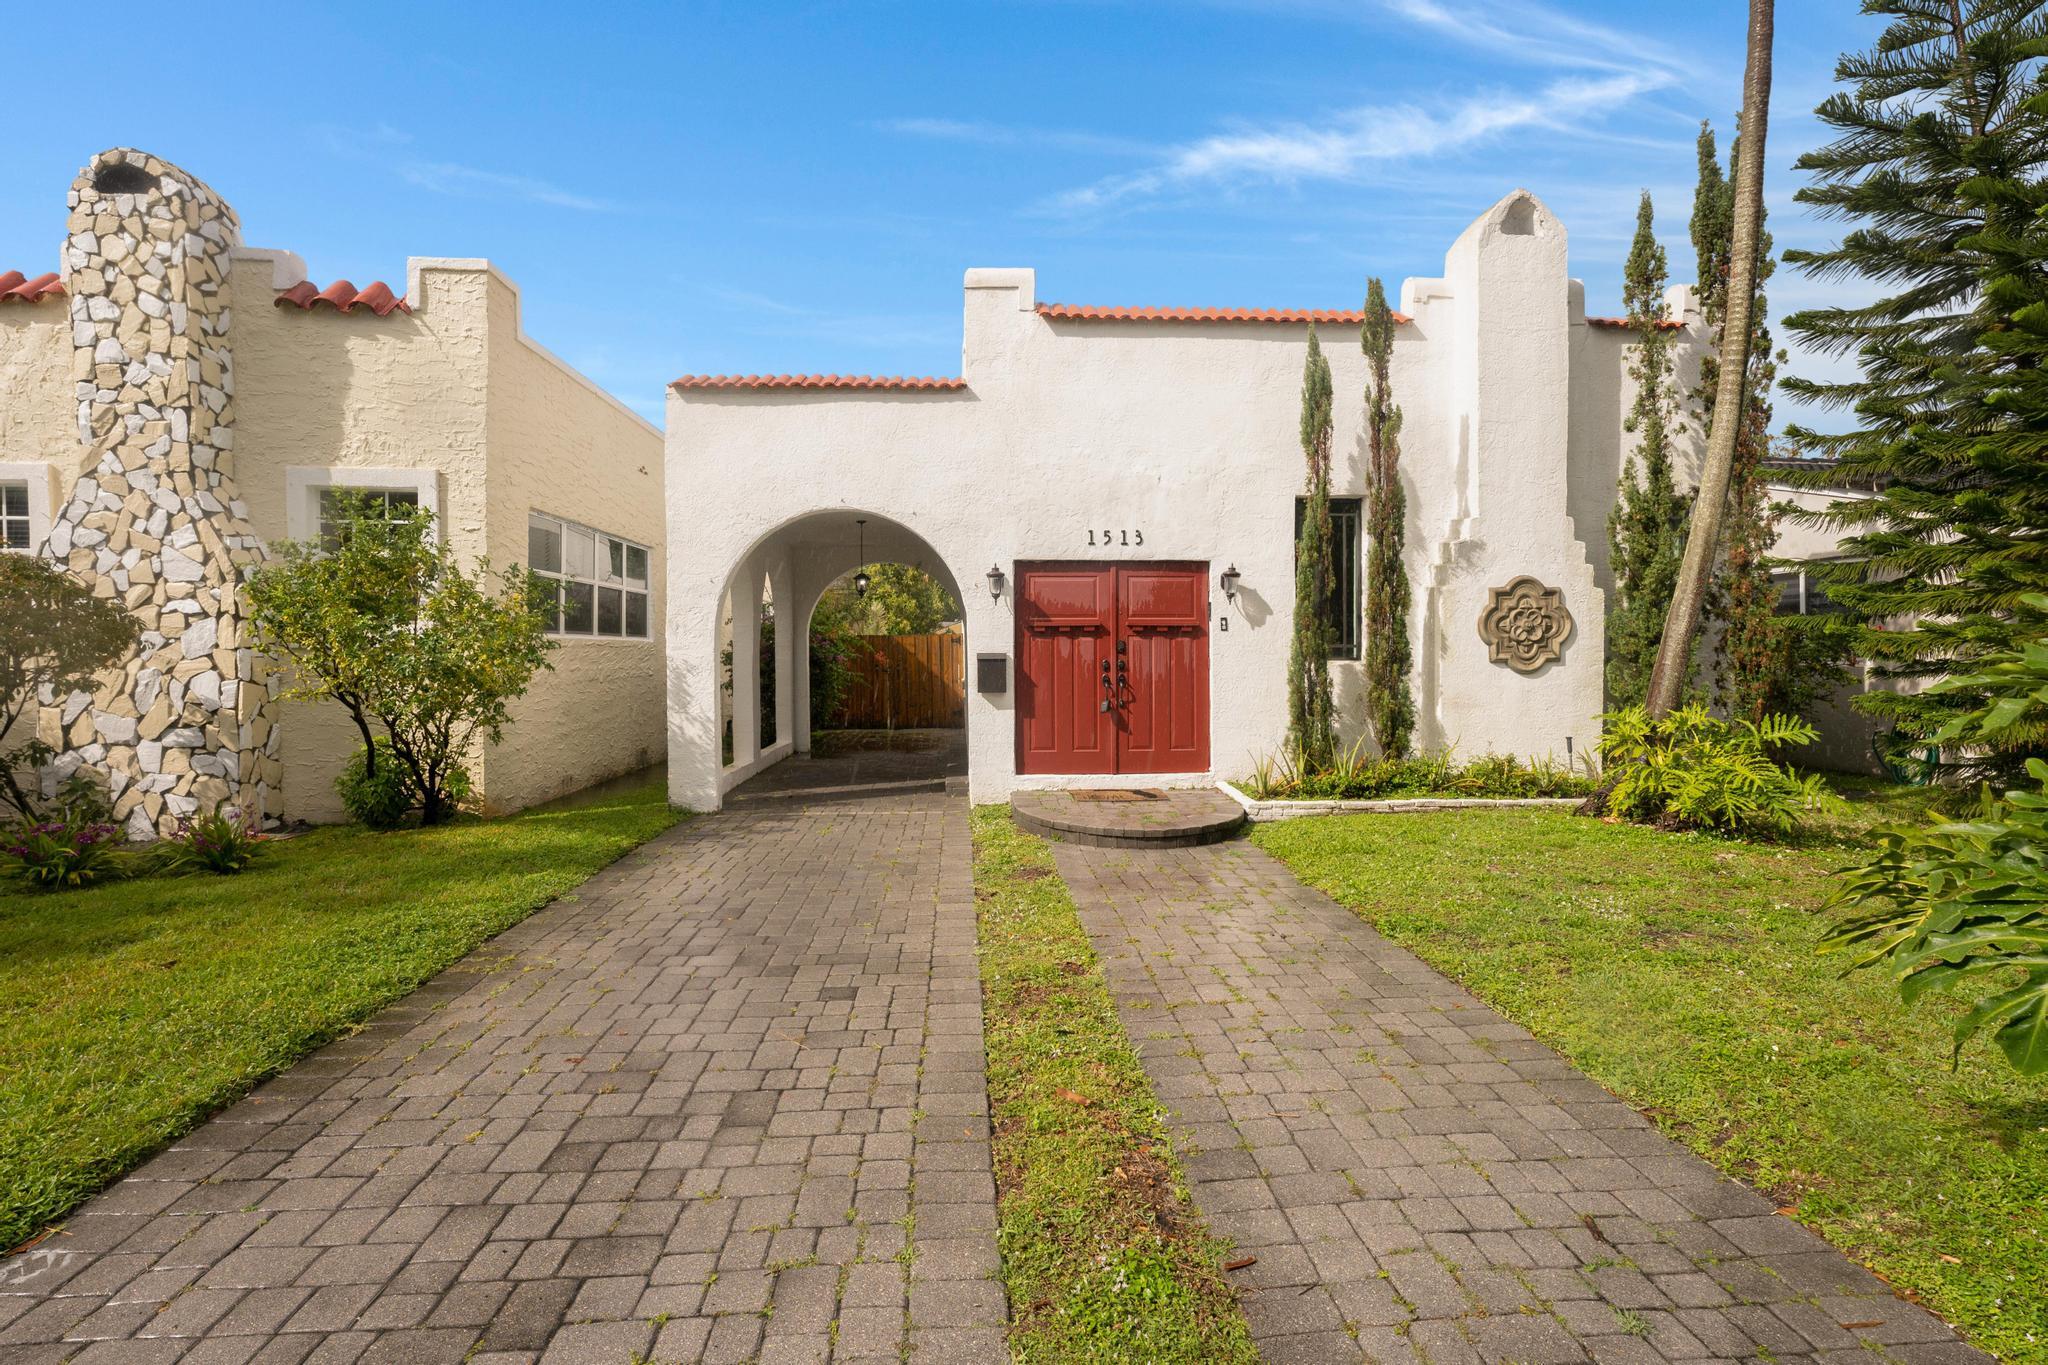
<point x="1646" y="529"/>
<point x="1942" y="140"/>
<point x="1311" y="712"/>
<point x="1389" y="704"/>
<point x="1764" y="663"/>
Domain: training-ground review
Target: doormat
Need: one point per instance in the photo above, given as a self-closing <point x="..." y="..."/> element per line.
<point x="1118" y="794"/>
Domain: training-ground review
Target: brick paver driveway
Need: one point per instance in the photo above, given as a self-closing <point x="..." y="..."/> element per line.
<point x="1419" y="1178"/>
<point x="727" y="1103"/>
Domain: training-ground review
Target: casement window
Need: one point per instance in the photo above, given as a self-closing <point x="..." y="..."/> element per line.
<point x="1345" y="609"/>
<point x="590" y="583"/>
<point x="14" y="522"/>
<point x="373" y="502"/>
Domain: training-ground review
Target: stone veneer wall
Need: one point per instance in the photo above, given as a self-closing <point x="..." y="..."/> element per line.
<point x="154" y="519"/>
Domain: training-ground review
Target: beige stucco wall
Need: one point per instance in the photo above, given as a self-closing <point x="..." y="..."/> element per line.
<point x="324" y="389"/>
<point x="560" y="445"/>
<point x="38" y="424"/>
<point x="456" y="388"/>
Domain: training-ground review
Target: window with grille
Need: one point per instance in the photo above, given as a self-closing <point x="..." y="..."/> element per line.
<point x="336" y="504"/>
<point x="590" y="583"/>
<point x="1345" y="609"/>
<point x="14" y="515"/>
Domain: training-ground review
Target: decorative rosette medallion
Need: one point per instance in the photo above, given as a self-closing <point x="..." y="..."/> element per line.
<point x="1525" y="624"/>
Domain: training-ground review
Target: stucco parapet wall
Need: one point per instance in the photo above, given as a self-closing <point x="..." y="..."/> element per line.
<point x="418" y="299"/>
<point x="892" y="383"/>
<point x="1264" y="812"/>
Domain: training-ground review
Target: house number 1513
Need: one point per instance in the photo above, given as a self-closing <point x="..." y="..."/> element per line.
<point x="1125" y="537"/>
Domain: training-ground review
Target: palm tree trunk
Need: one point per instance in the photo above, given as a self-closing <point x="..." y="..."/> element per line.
<point x="1703" y="539"/>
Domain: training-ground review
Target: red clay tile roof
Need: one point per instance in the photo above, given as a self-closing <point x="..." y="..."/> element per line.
<point x="1108" y="313"/>
<point x="1668" y="325"/>
<point x="812" y="381"/>
<point x="343" y="297"/>
<point x="16" y="288"/>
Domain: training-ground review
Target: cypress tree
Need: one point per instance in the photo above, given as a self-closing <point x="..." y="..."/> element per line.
<point x="1389" y="704"/>
<point x="1765" y="663"/>
<point x="1646" y="529"/>
<point x="1311" y="713"/>
<point x="1942" y="135"/>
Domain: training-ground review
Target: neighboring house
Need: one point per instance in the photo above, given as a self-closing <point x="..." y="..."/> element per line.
<point x="1848" y="736"/>
<point x="1111" y="494"/>
<point x="171" y="402"/>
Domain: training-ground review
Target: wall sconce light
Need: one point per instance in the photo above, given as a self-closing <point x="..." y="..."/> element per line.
<point x="861" y="579"/>
<point x="995" y="582"/>
<point x="1229" y="582"/>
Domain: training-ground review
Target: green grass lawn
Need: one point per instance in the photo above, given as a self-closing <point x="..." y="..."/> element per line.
<point x="1103" y="1256"/>
<point x="129" y="1012"/>
<point x="1681" y="972"/>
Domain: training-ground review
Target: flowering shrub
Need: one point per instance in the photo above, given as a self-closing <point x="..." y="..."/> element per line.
<point x="59" y="853"/>
<point x="222" y="842"/>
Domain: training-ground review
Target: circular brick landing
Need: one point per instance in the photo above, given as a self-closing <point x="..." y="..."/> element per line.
<point x="1129" y="817"/>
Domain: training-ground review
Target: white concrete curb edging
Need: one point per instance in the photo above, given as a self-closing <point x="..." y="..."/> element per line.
<point x="1260" y="812"/>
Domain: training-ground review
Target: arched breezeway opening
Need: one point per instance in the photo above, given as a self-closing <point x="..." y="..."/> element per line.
<point x="740" y="676"/>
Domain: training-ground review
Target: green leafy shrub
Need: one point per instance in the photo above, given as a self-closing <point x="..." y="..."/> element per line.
<point x="1356" y="775"/>
<point x="59" y="854"/>
<point x="375" y="795"/>
<point x="1692" y="770"/>
<point x="1962" y="905"/>
<point x="223" y="843"/>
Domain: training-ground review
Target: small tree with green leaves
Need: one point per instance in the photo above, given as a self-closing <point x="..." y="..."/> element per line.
<point x="54" y="636"/>
<point x="386" y="623"/>
<point x="1646" y="529"/>
<point x="1311" y="712"/>
<point x="901" y="599"/>
<point x="1389" y="703"/>
<point x="1766" y="663"/>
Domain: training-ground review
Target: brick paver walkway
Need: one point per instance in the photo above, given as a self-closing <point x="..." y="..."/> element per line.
<point x="726" y="1104"/>
<point x="1422" y="1180"/>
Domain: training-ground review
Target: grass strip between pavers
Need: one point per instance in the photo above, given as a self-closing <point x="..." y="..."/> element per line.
<point x="1103" y="1254"/>
<point x="131" y="1011"/>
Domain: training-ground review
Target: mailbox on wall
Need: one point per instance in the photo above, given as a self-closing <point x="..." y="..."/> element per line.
<point x="992" y="674"/>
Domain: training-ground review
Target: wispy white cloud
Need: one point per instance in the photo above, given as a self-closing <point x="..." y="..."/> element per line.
<point x="764" y="315"/>
<point x="452" y="178"/>
<point x="1538" y="35"/>
<point x="1000" y="135"/>
<point x="386" y="146"/>
<point x="1351" y="144"/>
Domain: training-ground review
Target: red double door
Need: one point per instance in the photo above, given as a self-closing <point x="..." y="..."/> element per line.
<point x="1112" y="668"/>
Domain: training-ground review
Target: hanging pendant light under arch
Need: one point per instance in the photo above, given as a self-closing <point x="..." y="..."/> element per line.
<point x="861" y="579"/>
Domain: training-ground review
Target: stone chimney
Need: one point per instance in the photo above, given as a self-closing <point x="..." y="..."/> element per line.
<point x="154" y="519"/>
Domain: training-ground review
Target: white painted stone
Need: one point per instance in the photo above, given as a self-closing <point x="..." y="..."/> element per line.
<point x="114" y="729"/>
<point x="177" y="568"/>
<point x="149" y="756"/>
<point x="185" y="737"/>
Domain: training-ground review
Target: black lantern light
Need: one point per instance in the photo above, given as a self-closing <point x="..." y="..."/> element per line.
<point x="861" y="579"/>
<point x="1229" y="582"/>
<point x="995" y="582"/>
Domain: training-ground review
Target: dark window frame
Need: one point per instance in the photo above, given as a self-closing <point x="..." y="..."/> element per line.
<point x="1345" y="611"/>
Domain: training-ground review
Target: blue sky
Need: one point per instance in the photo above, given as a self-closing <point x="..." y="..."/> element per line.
<point x="771" y="187"/>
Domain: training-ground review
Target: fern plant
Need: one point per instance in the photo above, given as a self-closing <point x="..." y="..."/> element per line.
<point x="1962" y="906"/>
<point x="1691" y="769"/>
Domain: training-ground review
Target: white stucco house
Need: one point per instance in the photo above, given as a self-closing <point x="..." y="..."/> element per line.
<point x="1111" y="493"/>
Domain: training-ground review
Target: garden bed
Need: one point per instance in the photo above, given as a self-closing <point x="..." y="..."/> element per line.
<point x="1263" y="811"/>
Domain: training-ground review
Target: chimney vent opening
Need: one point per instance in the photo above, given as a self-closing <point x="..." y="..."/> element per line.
<point x="1520" y="219"/>
<point x="122" y="177"/>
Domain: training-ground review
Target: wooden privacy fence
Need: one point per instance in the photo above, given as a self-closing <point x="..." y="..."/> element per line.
<point x="907" y="681"/>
